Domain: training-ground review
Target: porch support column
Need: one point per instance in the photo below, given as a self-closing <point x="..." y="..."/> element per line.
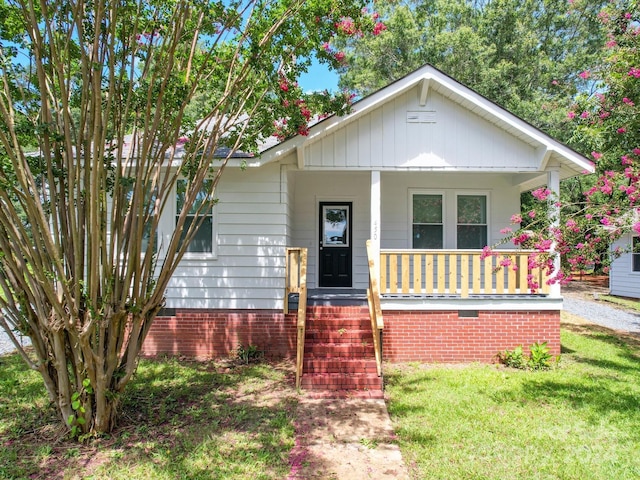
<point x="553" y="184"/>
<point x="375" y="211"/>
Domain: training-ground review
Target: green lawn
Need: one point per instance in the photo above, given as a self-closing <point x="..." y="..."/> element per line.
<point x="209" y="420"/>
<point x="628" y="303"/>
<point x="180" y="420"/>
<point x="580" y="421"/>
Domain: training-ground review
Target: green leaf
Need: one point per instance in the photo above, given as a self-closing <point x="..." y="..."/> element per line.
<point x="81" y="421"/>
<point x="75" y="404"/>
<point x="71" y="419"/>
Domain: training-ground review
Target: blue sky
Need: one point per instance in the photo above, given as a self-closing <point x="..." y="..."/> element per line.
<point x="319" y="77"/>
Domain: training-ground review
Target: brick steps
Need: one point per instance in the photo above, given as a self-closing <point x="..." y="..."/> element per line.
<point x="338" y="365"/>
<point x="339" y="358"/>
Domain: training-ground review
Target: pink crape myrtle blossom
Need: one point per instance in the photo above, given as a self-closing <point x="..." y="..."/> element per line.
<point x="541" y="194"/>
<point x="606" y="122"/>
<point x="634" y="72"/>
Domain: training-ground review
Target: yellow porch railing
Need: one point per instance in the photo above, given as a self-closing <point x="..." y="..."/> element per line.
<point x="375" y="310"/>
<point x="459" y="272"/>
<point x="296" y="282"/>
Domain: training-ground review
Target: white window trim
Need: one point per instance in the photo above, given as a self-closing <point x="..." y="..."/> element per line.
<point x="426" y="191"/>
<point x="633" y="254"/>
<point x="487" y="195"/>
<point x="213" y="255"/>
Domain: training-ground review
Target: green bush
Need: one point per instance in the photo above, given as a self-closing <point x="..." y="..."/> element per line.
<point x="539" y="357"/>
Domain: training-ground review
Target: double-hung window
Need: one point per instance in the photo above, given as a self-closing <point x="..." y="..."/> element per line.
<point x="471" y="224"/>
<point x="144" y="211"/>
<point x="635" y="255"/>
<point x="428" y="221"/>
<point x="202" y="242"/>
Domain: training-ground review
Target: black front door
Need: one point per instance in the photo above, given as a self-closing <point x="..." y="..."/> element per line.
<point x="335" y="244"/>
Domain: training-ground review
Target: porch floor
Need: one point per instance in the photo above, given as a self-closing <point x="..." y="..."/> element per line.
<point x="358" y="297"/>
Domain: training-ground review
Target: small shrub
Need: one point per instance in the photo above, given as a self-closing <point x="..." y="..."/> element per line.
<point x="249" y="353"/>
<point x="539" y="357"/>
<point x="513" y="358"/>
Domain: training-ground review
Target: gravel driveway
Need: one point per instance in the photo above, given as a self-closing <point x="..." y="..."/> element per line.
<point x="583" y="304"/>
<point x="5" y="344"/>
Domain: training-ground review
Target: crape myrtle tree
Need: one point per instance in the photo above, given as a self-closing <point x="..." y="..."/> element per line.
<point x="605" y="118"/>
<point x="119" y="102"/>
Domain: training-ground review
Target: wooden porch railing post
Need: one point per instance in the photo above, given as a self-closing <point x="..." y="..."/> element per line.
<point x="296" y="282"/>
<point x="375" y="310"/>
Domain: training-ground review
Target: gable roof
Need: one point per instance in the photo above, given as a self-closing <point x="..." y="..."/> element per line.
<point x="426" y="79"/>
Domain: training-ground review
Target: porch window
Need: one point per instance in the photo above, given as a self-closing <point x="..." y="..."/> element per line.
<point x="428" y="231"/>
<point x="636" y="255"/>
<point x="202" y="242"/>
<point x="471" y="221"/>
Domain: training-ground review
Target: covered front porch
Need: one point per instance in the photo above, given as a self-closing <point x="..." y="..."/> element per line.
<point x="434" y="305"/>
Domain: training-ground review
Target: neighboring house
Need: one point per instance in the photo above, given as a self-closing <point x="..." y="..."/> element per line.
<point x="427" y="169"/>
<point x="624" y="275"/>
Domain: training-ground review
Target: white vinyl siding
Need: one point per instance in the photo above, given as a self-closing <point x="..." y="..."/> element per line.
<point x="250" y="234"/>
<point x="624" y="280"/>
<point x="453" y="139"/>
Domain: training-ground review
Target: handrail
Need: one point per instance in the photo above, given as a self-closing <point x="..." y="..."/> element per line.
<point x="460" y="272"/>
<point x="296" y="282"/>
<point x="375" y="310"/>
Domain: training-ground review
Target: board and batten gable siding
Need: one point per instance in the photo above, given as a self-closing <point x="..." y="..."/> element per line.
<point x="251" y="233"/>
<point x="445" y="136"/>
<point x="396" y="187"/>
<point x="311" y="188"/>
<point x="623" y="281"/>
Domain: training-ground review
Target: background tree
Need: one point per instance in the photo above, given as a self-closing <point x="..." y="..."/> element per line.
<point x="523" y="55"/>
<point x="105" y="92"/>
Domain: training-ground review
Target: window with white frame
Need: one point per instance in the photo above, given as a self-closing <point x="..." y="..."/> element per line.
<point x="203" y="240"/>
<point x="471" y="223"/>
<point x="427" y="220"/>
<point x="146" y="211"/>
<point x="635" y="255"/>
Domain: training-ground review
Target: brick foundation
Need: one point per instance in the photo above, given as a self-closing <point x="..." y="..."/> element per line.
<point x="447" y="337"/>
<point x="218" y="333"/>
<point x="408" y="336"/>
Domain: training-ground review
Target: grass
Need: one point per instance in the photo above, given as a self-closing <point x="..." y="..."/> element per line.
<point x="208" y="420"/>
<point x="196" y="420"/>
<point x="622" y="302"/>
<point x="579" y="421"/>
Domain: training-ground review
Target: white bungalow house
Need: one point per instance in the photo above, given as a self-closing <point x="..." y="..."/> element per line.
<point x="429" y="171"/>
<point x="624" y="276"/>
